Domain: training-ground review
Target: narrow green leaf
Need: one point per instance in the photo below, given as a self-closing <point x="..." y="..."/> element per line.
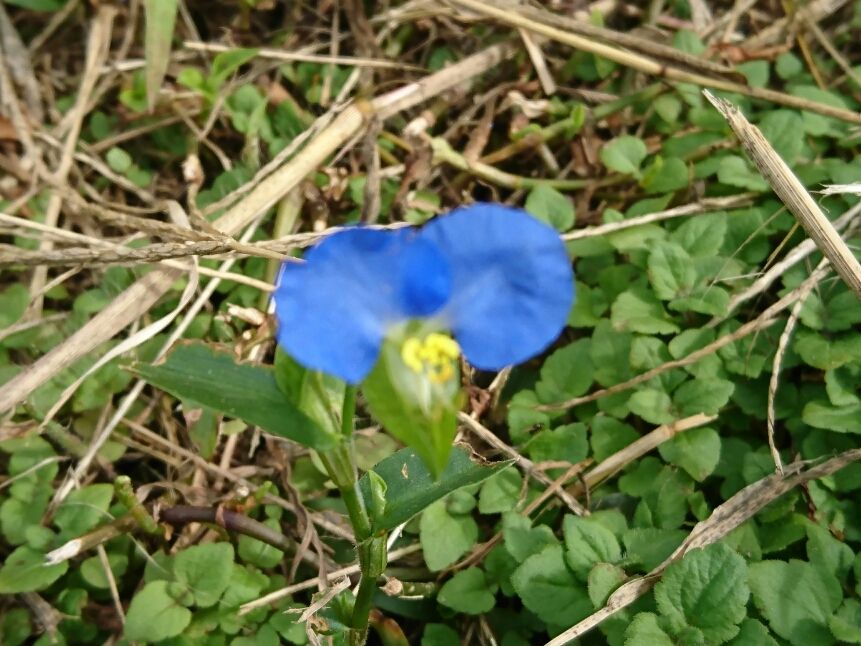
<point x="160" y="19"/>
<point x="210" y="377"/>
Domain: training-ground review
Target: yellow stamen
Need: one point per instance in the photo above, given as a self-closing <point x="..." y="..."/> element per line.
<point x="434" y="356"/>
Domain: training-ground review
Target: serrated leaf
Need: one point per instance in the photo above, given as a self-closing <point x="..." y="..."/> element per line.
<point x="649" y="546"/>
<point x="205" y="570"/>
<point x="706" y="590"/>
<point x="639" y="311"/>
<point x="735" y="171"/>
<point x="782" y="128"/>
<point x="697" y="451"/>
<point x="827" y="354"/>
<point x="702" y="396"/>
<point x="665" y="175"/>
<point x="644" y="630"/>
<point x="467" y="592"/>
<point x="602" y="581"/>
<point x="500" y="493"/>
<point x="550" y="590"/>
<point x="522" y="540"/>
<point x="566" y="373"/>
<point x="410" y="487"/>
<point x="155" y="615"/>
<point x="550" y="206"/>
<point x="845" y="624"/>
<point x="702" y="235"/>
<point x="753" y="633"/>
<point x="796" y="600"/>
<point x="654" y="406"/>
<point x="842" y="419"/>
<point x="671" y="270"/>
<point x="444" y="537"/>
<point x="210" y="377"/>
<point x="827" y="553"/>
<point x="588" y="543"/>
<point x="624" y="154"/>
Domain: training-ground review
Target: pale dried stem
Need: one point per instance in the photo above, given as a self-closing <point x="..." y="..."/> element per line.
<point x="791" y="192"/>
<point x="98" y="44"/>
<point x="650" y="66"/>
<point x="613" y="464"/>
<point x="764" y="320"/>
<point x="525" y="464"/>
<point x="725" y="518"/>
<point x="321" y="582"/>
<point x="143" y="294"/>
<point x="798" y="253"/>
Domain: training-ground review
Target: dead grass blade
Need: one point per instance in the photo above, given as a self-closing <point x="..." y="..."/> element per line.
<point x="723" y="520"/>
<point x="791" y="192"/>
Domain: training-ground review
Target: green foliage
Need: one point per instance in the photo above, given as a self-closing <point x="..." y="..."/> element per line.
<point x="210" y="377"/>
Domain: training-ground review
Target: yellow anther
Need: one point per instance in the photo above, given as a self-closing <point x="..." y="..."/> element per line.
<point x="434" y="356"/>
<point x="411" y="352"/>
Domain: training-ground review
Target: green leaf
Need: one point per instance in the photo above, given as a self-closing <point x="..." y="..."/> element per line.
<point x="566" y="373"/>
<point x="160" y="18"/>
<point x="550" y="590"/>
<point x="649" y="546"/>
<point x="410" y="487"/>
<point x="550" y="206"/>
<point x="697" y="451"/>
<point x="419" y="413"/>
<point x="665" y="175"/>
<point x="671" y="270"/>
<point x="827" y="354"/>
<point x="587" y="543"/>
<point x="444" y="537"/>
<point x="206" y="570"/>
<point x="316" y="394"/>
<point x="845" y="624"/>
<point x="83" y="509"/>
<point x="753" y="633"/>
<point x="782" y="128"/>
<point x="500" y="493"/>
<point x="522" y="540"/>
<point x="735" y="171"/>
<point x="439" y="635"/>
<point x="703" y="235"/>
<point x="602" y="581"/>
<point x="706" y="590"/>
<point x="13" y="303"/>
<point x="210" y="377"/>
<point x="644" y="630"/>
<point x="93" y="572"/>
<point x="25" y="570"/>
<point x="796" y="599"/>
<point x="611" y="351"/>
<point x="226" y="63"/>
<point x="654" y="406"/>
<point x="702" y="396"/>
<point x="624" y="154"/>
<point x="155" y="615"/>
<point x="467" y="592"/>
<point x="639" y="311"/>
<point x="828" y="554"/>
<point x="569" y="443"/>
<point x="842" y="419"/>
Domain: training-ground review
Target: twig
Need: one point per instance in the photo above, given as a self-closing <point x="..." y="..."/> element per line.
<point x="789" y="189"/>
<point x="731" y="514"/>
<point x="653" y="67"/>
<point x="764" y="320"/>
<point x="524" y="463"/>
<point x="277" y="595"/>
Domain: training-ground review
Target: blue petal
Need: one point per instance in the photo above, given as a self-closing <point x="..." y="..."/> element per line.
<point x="334" y="309"/>
<point x="512" y="282"/>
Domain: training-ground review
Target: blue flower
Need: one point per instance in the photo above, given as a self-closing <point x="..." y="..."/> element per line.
<point x="495" y="277"/>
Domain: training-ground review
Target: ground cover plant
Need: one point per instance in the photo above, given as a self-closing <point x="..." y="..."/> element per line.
<point x="430" y="322"/>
